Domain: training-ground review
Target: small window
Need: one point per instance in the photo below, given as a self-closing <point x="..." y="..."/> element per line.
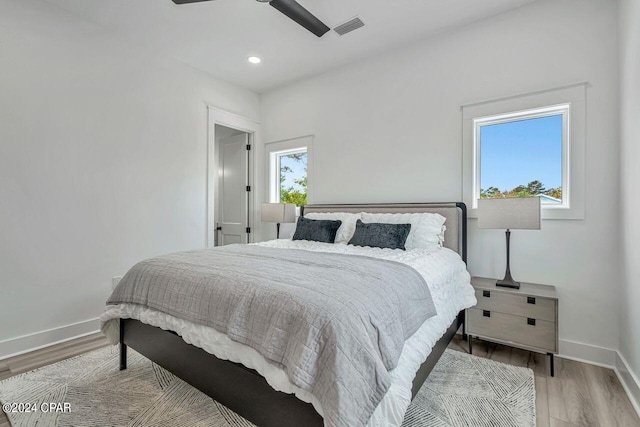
<point x="523" y="154"/>
<point x="290" y="171"/>
<point x="291" y="168"/>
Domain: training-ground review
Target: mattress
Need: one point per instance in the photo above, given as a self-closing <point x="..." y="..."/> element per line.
<point x="444" y="272"/>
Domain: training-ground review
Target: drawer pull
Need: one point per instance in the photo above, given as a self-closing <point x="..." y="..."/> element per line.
<point x="486" y="313"/>
<point x="486" y="294"/>
<point x="531" y="300"/>
<point x="531" y="321"/>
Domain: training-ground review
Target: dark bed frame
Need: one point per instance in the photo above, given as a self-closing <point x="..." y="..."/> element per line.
<point x="244" y="390"/>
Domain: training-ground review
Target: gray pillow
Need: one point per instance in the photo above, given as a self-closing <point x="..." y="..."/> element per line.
<point x="317" y="230"/>
<point x="379" y="235"/>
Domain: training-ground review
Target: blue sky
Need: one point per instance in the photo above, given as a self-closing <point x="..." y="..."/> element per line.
<point x="516" y="153"/>
<point x="296" y="167"/>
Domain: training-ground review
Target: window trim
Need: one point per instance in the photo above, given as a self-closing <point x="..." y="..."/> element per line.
<point x="563" y="110"/>
<point x="573" y="95"/>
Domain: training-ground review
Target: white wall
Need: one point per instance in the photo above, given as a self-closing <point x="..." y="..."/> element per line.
<point x="629" y="178"/>
<point x="103" y="154"/>
<point x="388" y="129"/>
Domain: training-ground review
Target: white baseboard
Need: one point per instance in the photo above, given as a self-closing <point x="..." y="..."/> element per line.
<point x="26" y="343"/>
<point x="581" y="352"/>
<point x="629" y="381"/>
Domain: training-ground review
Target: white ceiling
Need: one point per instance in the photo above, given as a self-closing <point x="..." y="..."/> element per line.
<point x="217" y="36"/>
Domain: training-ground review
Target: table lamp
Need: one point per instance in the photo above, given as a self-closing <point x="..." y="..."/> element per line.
<point x="280" y="213"/>
<point x="510" y="214"/>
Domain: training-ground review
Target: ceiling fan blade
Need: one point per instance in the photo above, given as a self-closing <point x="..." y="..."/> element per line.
<point x="187" y="1"/>
<point x="302" y="16"/>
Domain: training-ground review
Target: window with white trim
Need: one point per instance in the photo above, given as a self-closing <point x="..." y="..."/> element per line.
<point x="529" y="145"/>
<point x="523" y="154"/>
<point x="289" y="166"/>
<point x="290" y="169"/>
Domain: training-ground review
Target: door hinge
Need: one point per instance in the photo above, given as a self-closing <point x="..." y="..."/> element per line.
<point x="248" y="188"/>
<point x="248" y="147"/>
<point x="248" y="230"/>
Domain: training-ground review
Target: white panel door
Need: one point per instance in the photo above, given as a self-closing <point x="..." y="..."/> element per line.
<point x="234" y="197"/>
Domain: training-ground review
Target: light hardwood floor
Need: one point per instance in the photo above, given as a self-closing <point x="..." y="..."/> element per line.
<point x="579" y="395"/>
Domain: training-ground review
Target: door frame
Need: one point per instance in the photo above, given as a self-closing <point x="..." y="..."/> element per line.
<point x="217" y="116"/>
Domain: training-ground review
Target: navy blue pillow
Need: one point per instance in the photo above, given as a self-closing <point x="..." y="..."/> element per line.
<point x="317" y="230"/>
<point x="379" y="235"/>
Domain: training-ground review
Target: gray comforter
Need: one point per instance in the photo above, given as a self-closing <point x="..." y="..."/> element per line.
<point x="334" y="323"/>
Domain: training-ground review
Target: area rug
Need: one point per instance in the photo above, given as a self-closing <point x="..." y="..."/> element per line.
<point x="462" y="390"/>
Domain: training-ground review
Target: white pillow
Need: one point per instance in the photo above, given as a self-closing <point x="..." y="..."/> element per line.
<point x="427" y="229"/>
<point x="347" y="228"/>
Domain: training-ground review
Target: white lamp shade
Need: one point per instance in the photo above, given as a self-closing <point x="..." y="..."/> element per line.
<point x="281" y="213"/>
<point x="514" y="213"/>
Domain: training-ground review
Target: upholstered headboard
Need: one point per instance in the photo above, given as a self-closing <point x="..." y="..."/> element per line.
<point x="455" y="236"/>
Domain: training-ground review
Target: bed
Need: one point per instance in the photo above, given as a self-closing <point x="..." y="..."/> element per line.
<point x="258" y="391"/>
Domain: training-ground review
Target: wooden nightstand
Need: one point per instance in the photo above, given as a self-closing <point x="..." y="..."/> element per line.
<point x="526" y="318"/>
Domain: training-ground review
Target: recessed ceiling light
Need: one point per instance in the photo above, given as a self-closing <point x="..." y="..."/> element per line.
<point x="254" y="59"/>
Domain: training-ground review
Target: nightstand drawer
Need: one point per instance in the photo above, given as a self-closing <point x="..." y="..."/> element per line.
<point x="516" y="304"/>
<point x="528" y="332"/>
